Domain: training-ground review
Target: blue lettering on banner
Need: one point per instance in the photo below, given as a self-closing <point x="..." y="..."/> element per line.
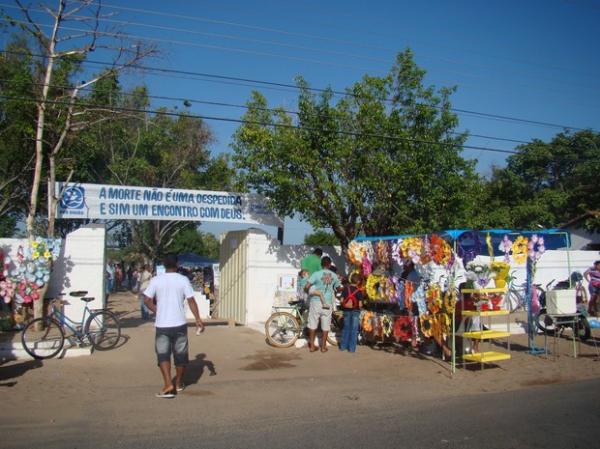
<point x="140" y="209"/>
<point x="119" y="209"/>
<point x="117" y="193"/>
<point x="153" y="195"/>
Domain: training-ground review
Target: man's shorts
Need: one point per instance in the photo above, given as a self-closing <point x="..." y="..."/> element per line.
<point x="316" y="313"/>
<point x="172" y="340"/>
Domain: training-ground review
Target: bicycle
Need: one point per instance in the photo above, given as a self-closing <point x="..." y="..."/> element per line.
<point x="283" y="328"/>
<point x="515" y="298"/>
<point x="44" y="338"/>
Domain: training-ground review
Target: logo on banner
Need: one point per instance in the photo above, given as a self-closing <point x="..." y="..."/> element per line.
<point x="73" y="198"/>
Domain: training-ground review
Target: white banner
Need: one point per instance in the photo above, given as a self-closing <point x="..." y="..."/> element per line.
<point x="86" y="201"/>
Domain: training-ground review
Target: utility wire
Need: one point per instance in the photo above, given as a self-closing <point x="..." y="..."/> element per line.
<point x="239" y="106"/>
<point x="295" y="87"/>
<point x="276" y="55"/>
<point x="252" y="122"/>
<point x="311" y="36"/>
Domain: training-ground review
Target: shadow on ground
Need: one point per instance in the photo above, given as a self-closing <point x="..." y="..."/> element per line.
<point x="17" y="370"/>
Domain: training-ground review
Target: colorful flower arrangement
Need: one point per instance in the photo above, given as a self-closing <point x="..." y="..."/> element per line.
<point x="535" y="247"/>
<point x="520" y="248"/>
<point x="31" y="270"/>
<point x="441" y="252"/>
<point x="469" y="246"/>
<point x="506" y="246"/>
<point x="501" y="270"/>
<point x="397" y="252"/>
<point x="382" y="253"/>
<point x="479" y="273"/>
<point x="355" y="253"/>
<point x="412" y="247"/>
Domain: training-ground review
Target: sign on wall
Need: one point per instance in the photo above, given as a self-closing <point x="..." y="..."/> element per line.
<point x="90" y="201"/>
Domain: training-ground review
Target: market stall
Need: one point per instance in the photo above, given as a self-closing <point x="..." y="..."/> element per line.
<point x="419" y="287"/>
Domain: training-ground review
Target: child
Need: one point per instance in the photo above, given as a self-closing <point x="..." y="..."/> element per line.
<point x="303" y="276"/>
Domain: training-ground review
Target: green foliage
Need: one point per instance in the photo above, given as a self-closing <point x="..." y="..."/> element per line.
<point x="362" y="163"/>
<point x="190" y="240"/>
<point x="17" y="122"/>
<point x="547" y="184"/>
<point x="321" y="238"/>
<point x="7" y="226"/>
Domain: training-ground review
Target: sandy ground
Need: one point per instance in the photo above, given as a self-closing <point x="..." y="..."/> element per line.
<point x="234" y="374"/>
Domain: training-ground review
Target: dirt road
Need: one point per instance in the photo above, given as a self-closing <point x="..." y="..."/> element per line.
<point x="233" y="375"/>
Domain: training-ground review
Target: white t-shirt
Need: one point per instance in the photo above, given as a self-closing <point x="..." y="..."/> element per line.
<point x="170" y="290"/>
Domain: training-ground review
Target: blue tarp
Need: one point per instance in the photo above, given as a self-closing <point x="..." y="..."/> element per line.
<point x="191" y="260"/>
<point x="553" y="238"/>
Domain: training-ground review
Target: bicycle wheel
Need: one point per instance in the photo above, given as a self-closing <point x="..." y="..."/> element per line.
<point x="335" y="333"/>
<point x="45" y="343"/>
<point x="103" y="329"/>
<point x="513" y="300"/>
<point x="282" y="329"/>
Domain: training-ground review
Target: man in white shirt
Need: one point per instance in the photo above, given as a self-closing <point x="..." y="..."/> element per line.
<point x="170" y="290"/>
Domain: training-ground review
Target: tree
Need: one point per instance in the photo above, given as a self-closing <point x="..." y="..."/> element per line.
<point x="76" y="31"/>
<point x="383" y="159"/>
<point x="191" y="240"/>
<point x="16" y="130"/>
<point x="320" y="238"/>
<point x="547" y="183"/>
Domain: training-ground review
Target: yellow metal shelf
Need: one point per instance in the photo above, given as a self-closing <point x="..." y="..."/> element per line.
<point x="485" y="357"/>
<point x="486" y="335"/>
<point x="483" y="291"/>
<point x="485" y="312"/>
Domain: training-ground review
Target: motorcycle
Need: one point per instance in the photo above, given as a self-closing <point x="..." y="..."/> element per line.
<point x="550" y="325"/>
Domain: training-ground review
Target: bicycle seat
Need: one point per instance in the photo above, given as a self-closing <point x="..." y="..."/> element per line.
<point x="78" y="293"/>
<point x="295" y="303"/>
<point x="87" y="299"/>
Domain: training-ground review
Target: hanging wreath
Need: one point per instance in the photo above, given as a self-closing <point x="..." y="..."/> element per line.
<point x="425" y="251"/>
<point x="519" y="249"/>
<point x="449" y="301"/>
<point x="366" y="323"/>
<point x="387" y="325"/>
<point x="536" y="247"/>
<point x="444" y="322"/>
<point x="397" y="252"/>
<point x="469" y="246"/>
<point x="393" y="289"/>
<point x="426" y="321"/>
<point x="355" y="253"/>
<point x="375" y="287"/>
<point x="382" y="253"/>
<point x="441" y="252"/>
<point x="434" y="299"/>
<point x="412" y="248"/>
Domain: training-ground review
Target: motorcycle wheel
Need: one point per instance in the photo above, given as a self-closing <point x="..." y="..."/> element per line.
<point x="544" y="323"/>
<point x="583" y="329"/>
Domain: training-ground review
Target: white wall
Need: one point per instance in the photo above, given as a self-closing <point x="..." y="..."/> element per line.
<point x="81" y="266"/>
<point x="266" y="261"/>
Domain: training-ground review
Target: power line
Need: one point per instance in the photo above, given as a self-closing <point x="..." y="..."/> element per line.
<point x="252" y="122"/>
<point x="240" y="106"/>
<point x="273" y="55"/>
<point x="310" y="36"/>
<point x="312" y="89"/>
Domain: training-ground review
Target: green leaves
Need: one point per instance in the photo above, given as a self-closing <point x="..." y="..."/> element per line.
<point x="363" y="162"/>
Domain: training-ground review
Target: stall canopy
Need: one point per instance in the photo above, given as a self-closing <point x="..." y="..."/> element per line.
<point x="554" y="238"/>
<point x="191" y="260"/>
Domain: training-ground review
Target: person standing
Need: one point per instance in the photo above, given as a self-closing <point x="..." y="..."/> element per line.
<point x="592" y="275"/>
<point x="312" y="262"/>
<point x="145" y="276"/>
<point x="171" y="290"/>
<point x="352" y="298"/>
<point x="326" y="282"/>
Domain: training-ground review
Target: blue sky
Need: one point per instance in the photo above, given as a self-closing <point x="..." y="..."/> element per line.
<point x="536" y="60"/>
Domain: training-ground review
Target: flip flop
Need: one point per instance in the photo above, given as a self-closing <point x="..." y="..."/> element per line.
<point x="324" y="349"/>
<point x="168" y="395"/>
<point x="180" y="388"/>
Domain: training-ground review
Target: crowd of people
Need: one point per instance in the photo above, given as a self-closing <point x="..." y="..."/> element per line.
<point x="319" y="285"/>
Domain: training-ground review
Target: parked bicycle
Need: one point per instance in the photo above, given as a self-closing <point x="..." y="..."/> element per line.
<point x="515" y="298"/>
<point x="44" y="338"/>
<point x="283" y="328"/>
